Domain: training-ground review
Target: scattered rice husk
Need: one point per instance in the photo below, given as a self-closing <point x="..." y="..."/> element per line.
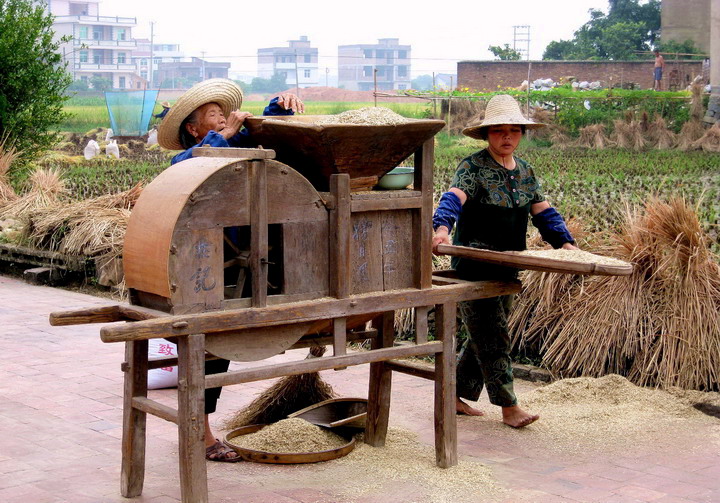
<point x="710" y="141"/>
<point x="370" y="116"/>
<point x="293" y="435"/>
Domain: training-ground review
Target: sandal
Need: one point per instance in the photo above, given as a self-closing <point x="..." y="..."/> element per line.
<point x="220" y="452"/>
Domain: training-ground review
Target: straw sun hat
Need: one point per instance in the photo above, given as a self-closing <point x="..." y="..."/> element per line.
<point x="501" y="109"/>
<point x="224" y="92"/>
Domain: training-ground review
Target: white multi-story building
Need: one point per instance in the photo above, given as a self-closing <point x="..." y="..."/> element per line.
<point x="387" y="61"/>
<point x="101" y="45"/>
<point x="298" y="63"/>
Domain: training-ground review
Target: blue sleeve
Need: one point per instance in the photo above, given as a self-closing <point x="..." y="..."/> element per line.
<point x="242" y="140"/>
<point x="274" y="109"/>
<point x="552" y="227"/>
<point x="448" y="211"/>
<point x="212" y="139"/>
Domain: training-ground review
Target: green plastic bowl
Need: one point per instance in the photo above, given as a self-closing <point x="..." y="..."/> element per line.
<point x="397" y="179"/>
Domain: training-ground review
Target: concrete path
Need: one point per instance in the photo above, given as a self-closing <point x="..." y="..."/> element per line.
<point x="60" y="430"/>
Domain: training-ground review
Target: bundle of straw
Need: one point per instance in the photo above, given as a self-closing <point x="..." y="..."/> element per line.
<point x="289" y="394"/>
<point x="593" y="136"/>
<point x="45" y="190"/>
<point x="628" y="135"/>
<point x="697" y="109"/>
<point x="559" y="137"/>
<point x="691" y="131"/>
<point x="659" y="326"/>
<point x="8" y="154"/>
<point x="659" y="135"/>
<point x="710" y="141"/>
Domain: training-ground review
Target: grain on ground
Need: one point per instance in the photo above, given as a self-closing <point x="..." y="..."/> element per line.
<point x="294" y="435"/>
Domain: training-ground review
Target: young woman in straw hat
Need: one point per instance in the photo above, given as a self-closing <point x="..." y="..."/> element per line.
<point x="491" y="197"/>
<point x="208" y="114"/>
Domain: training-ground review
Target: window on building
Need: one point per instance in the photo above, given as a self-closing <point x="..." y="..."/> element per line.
<point x="121" y="58"/>
<point x="143" y="61"/>
<point x="83" y="32"/>
<point x="121" y="33"/>
<point x="367" y="71"/>
<point x="381" y="71"/>
<point x="402" y="71"/>
<point x="83" y="56"/>
<point x="307" y="58"/>
<point x="402" y="54"/>
<point x="157" y="61"/>
<point x="307" y="74"/>
<point x="97" y="57"/>
<point x="144" y="74"/>
<point x="97" y="33"/>
<point x="368" y="53"/>
<point x="379" y="54"/>
<point x="402" y="86"/>
<point x="277" y="59"/>
<point x="121" y="82"/>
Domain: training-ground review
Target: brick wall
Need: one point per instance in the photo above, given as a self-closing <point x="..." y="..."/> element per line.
<point x="488" y="75"/>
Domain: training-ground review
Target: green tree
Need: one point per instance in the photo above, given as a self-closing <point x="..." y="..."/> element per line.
<point x="33" y="79"/>
<point x="100" y="83"/>
<point x="683" y="49"/>
<point x="504" y="53"/>
<point x="272" y="85"/>
<point x="628" y="29"/>
<point x="422" y="83"/>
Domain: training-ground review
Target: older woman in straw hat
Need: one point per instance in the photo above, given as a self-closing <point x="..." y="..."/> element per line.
<point x="491" y="197"/>
<point x="208" y="114"/>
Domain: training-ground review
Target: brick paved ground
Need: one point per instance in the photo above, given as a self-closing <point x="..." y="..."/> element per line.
<point x="60" y="418"/>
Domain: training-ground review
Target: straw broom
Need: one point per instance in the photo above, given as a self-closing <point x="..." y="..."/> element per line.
<point x="289" y="394"/>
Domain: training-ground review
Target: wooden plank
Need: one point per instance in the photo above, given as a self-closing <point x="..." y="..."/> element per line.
<point x="132" y="471"/>
<point x="380" y="385"/>
<point x="318" y="364"/>
<point x="319" y="309"/>
<point x="191" y="419"/>
<point x="445" y="380"/>
<point x="339" y="234"/>
<point x="411" y="369"/>
<point x="339" y="336"/>
<point x="398" y="253"/>
<point x="104" y="314"/>
<point x="195" y="269"/>
<point x="305" y="257"/>
<point x="520" y="261"/>
<point x="259" y="233"/>
<point x="414" y="200"/>
<point x="234" y="152"/>
<point x="421" y="324"/>
<point x="366" y="253"/>
<point x="422" y="218"/>
<point x="155" y="408"/>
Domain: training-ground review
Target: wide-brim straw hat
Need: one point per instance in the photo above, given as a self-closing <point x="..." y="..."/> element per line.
<point x="501" y="109"/>
<point x="226" y="93"/>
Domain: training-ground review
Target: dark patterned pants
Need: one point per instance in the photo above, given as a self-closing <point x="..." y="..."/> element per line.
<point x="485" y="357"/>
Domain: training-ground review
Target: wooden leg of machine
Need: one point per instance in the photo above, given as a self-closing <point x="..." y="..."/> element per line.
<point x="191" y="419"/>
<point x="445" y="379"/>
<point x="133" y="441"/>
<point x="380" y="384"/>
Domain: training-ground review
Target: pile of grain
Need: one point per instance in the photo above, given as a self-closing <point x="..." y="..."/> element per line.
<point x="368" y="116"/>
<point x="574" y="256"/>
<point x="292" y="435"/>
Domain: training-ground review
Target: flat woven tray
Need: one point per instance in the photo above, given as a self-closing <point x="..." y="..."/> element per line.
<point x="520" y="261"/>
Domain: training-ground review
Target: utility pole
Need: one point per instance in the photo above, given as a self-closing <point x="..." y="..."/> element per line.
<point x="152" y="26"/>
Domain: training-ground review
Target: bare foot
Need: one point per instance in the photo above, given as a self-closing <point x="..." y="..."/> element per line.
<point x="517" y="418"/>
<point x="465" y="410"/>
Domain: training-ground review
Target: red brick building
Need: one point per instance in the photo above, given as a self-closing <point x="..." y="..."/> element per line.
<point x="488" y="75"/>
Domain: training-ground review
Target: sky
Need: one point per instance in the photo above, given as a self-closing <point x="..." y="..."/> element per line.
<point x="440" y="34"/>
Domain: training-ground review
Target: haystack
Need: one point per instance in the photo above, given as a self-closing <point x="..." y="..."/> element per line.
<point x="659" y="326"/>
<point x="659" y="136"/>
<point x="8" y="154"/>
<point x="593" y="136"/>
<point x="697" y="109"/>
<point x="628" y="135"/>
<point x="558" y="137"/>
<point x="289" y="394"/>
<point x="691" y="131"/>
<point x="461" y="113"/>
<point x="710" y="141"/>
<point x="46" y="188"/>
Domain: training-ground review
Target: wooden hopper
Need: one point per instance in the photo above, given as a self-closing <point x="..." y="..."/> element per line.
<point x="365" y="152"/>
